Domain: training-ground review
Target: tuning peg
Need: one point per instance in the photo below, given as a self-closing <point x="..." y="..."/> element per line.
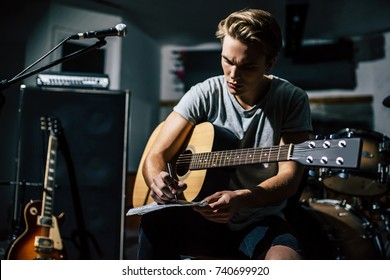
<point x="320" y="137"/>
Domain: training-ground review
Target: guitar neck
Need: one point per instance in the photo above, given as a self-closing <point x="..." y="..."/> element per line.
<point x="49" y="183"/>
<point x="228" y="158"/>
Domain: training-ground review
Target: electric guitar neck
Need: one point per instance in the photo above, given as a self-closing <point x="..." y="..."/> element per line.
<point x="41" y="238"/>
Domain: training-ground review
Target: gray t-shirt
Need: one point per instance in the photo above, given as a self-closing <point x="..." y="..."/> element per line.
<point x="285" y="108"/>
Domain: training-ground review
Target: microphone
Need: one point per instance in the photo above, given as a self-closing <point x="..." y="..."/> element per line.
<point x="119" y="30"/>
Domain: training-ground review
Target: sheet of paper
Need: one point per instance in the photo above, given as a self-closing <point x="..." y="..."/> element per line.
<point x="154" y="206"/>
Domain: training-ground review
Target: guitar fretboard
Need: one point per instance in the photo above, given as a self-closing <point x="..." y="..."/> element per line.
<point x="235" y="157"/>
<point x="48" y="194"/>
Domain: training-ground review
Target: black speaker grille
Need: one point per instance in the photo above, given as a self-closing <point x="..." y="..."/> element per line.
<point x="91" y="164"/>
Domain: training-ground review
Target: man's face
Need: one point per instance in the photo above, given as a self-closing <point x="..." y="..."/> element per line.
<point x="243" y="66"/>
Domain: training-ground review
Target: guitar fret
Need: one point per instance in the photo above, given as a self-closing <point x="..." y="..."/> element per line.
<point x="248" y="157"/>
<point x="269" y="153"/>
<point x="192" y="162"/>
<point x="238" y="158"/>
<point x="261" y="155"/>
<point x="225" y="157"/>
<point x="277" y="157"/>
<point x="205" y="160"/>
<point x="213" y="159"/>
<point x="222" y="158"/>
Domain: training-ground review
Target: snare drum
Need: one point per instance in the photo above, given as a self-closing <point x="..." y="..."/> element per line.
<point x="332" y="229"/>
<point x="371" y="178"/>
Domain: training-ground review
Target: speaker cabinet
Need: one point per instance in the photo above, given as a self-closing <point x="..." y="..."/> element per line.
<point x="91" y="168"/>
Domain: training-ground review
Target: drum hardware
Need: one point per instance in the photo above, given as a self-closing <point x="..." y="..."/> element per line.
<point x="371" y="177"/>
<point x="319" y="137"/>
<point x="383" y="170"/>
<point x="379" y="215"/>
<point x="384" y="146"/>
<point x="344" y="174"/>
<point x="321" y="172"/>
<point x="386" y="224"/>
<point x="333" y="229"/>
<point x="312" y="173"/>
<point x="385" y="230"/>
<point x="367" y="154"/>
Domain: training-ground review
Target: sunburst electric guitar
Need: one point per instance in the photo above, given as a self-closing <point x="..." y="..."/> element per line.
<point x="209" y="148"/>
<point x="41" y="239"/>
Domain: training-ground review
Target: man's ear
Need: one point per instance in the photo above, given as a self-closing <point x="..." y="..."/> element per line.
<point x="271" y="64"/>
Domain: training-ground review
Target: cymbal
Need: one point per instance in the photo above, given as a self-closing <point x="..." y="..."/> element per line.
<point x="386" y="102"/>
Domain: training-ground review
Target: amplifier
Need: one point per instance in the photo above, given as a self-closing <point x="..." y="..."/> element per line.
<point x="73" y="80"/>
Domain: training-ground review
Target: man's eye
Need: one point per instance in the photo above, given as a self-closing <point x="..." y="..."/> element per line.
<point x="248" y="66"/>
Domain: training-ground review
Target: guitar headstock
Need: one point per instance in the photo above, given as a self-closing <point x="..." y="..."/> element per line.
<point x="337" y="153"/>
<point x="51" y="124"/>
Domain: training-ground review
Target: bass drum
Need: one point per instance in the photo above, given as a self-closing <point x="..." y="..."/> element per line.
<point x="371" y="177"/>
<point x="333" y="230"/>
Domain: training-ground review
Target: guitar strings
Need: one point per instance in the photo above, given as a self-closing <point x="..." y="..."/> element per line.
<point x="234" y="157"/>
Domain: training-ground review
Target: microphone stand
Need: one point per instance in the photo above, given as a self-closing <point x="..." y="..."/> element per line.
<point x="4" y="84"/>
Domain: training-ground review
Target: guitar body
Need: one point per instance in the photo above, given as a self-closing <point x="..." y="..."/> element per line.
<point x="24" y="247"/>
<point x="204" y="138"/>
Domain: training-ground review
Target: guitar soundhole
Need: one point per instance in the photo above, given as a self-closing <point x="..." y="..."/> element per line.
<point x="183" y="163"/>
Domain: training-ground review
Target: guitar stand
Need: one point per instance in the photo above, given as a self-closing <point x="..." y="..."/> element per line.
<point x="2" y="100"/>
<point x="82" y="242"/>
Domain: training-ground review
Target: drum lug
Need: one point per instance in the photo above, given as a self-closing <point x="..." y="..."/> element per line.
<point x="343" y="203"/>
<point x="383" y="170"/>
<point x="368" y="231"/>
<point x="384" y="146"/>
<point x="343" y="174"/>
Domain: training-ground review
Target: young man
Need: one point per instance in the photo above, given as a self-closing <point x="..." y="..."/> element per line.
<point x="245" y="219"/>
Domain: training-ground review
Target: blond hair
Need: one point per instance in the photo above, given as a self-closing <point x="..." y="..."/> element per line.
<point x="253" y="26"/>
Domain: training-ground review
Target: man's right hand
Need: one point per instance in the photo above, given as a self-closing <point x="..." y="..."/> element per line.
<point x="164" y="188"/>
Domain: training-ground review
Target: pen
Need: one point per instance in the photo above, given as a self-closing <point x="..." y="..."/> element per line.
<point x="169" y="166"/>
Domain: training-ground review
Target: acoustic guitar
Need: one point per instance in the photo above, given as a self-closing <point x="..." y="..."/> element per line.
<point x="209" y="148"/>
<point x="41" y="239"/>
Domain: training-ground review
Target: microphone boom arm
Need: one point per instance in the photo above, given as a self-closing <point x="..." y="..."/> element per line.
<point x="5" y="84"/>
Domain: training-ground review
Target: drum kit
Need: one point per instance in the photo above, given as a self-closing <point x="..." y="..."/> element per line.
<point x="345" y="214"/>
